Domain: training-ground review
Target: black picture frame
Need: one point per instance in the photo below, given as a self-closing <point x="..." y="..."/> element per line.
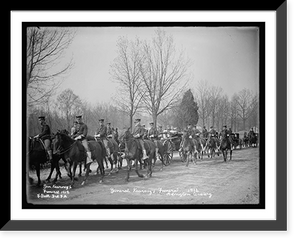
<point x="280" y="224"/>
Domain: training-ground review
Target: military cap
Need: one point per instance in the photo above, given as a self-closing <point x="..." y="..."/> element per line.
<point x="41" y="117"/>
<point x="137" y="120"/>
<point x="101" y="120"/>
<point x="78" y="116"/>
<point x="225" y="126"/>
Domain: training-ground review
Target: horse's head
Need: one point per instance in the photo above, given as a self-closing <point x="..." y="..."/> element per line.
<point x="56" y="142"/>
<point x="60" y="141"/>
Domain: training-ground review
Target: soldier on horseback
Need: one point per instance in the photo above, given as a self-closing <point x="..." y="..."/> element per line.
<point x="204" y="132"/>
<point x="74" y="129"/>
<point x="224" y="133"/>
<point x="109" y="131"/>
<point x="153" y="135"/>
<point x="160" y="132"/>
<point x="102" y="134"/>
<point x="45" y="136"/>
<point x="227" y="134"/>
<point x="138" y="134"/>
<point x="190" y="134"/>
<point x="81" y="136"/>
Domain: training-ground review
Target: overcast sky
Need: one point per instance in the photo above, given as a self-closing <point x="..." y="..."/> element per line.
<point x="227" y="57"/>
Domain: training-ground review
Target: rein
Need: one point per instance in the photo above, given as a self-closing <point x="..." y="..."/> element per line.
<point x="66" y="150"/>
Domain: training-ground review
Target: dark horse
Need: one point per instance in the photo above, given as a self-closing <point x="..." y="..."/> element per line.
<point x="74" y="153"/>
<point x="212" y="146"/>
<point x="133" y="152"/>
<point x="114" y="153"/>
<point x="224" y="147"/>
<point x="37" y="155"/>
<point x="188" y="149"/>
<point x="253" y="138"/>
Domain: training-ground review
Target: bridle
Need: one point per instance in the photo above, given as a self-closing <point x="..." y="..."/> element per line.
<point x="59" y="152"/>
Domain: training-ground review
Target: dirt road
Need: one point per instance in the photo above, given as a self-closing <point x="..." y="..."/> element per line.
<point x="210" y="181"/>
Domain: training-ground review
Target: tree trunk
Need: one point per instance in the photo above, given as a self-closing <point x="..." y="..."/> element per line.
<point x="154" y="117"/>
<point x="130" y="121"/>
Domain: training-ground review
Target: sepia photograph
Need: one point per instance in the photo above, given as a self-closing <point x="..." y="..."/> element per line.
<point x="143" y="114"/>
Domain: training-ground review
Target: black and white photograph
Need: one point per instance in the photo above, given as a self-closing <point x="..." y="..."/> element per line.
<point x="143" y="114"/>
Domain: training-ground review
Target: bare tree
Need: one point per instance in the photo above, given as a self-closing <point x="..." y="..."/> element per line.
<point x="163" y="72"/>
<point x="45" y="47"/>
<point x="203" y="101"/>
<point x="215" y="96"/>
<point x="69" y="104"/>
<point x="125" y="71"/>
<point x="243" y="100"/>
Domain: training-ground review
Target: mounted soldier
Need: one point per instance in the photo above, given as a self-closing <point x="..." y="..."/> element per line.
<point x="74" y="129"/>
<point x="160" y="131"/>
<point x="228" y="135"/>
<point x="138" y="133"/>
<point x="204" y="132"/>
<point x="109" y="131"/>
<point x="190" y="134"/>
<point x="81" y="136"/>
<point x="102" y="135"/>
<point x="153" y="135"/>
<point x="45" y="136"/>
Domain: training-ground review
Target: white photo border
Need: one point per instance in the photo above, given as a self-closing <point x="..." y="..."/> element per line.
<point x="269" y="17"/>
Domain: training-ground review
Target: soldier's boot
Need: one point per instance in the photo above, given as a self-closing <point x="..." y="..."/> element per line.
<point x="89" y="157"/>
<point x="144" y="155"/>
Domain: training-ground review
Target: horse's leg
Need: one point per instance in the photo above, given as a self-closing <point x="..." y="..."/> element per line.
<point x="230" y="154"/>
<point x="115" y="155"/>
<point x="106" y="162"/>
<point x="111" y="165"/>
<point x="224" y="156"/>
<point x="51" y="171"/>
<point x="87" y="172"/>
<point x="187" y="160"/>
<point x="80" y="169"/>
<point x="38" y="173"/>
<point x="149" y="169"/>
<point x="56" y="166"/>
<point x="162" y="162"/>
<point x="195" y="159"/>
<point x="74" y="172"/>
<point x="128" y="170"/>
<point x="137" y="169"/>
<point x="100" y="165"/>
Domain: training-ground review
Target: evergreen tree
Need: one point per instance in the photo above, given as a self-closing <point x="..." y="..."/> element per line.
<point x="188" y="110"/>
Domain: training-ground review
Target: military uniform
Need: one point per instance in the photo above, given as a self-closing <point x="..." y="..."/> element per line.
<point x="138" y="133"/>
<point x="45" y="136"/>
<point x="153" y="135"/>
<point x="109" y="131"/>
<point x="81" y="135"/>
<point x="190" y="134"/>
<point x="102" y="134"/>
